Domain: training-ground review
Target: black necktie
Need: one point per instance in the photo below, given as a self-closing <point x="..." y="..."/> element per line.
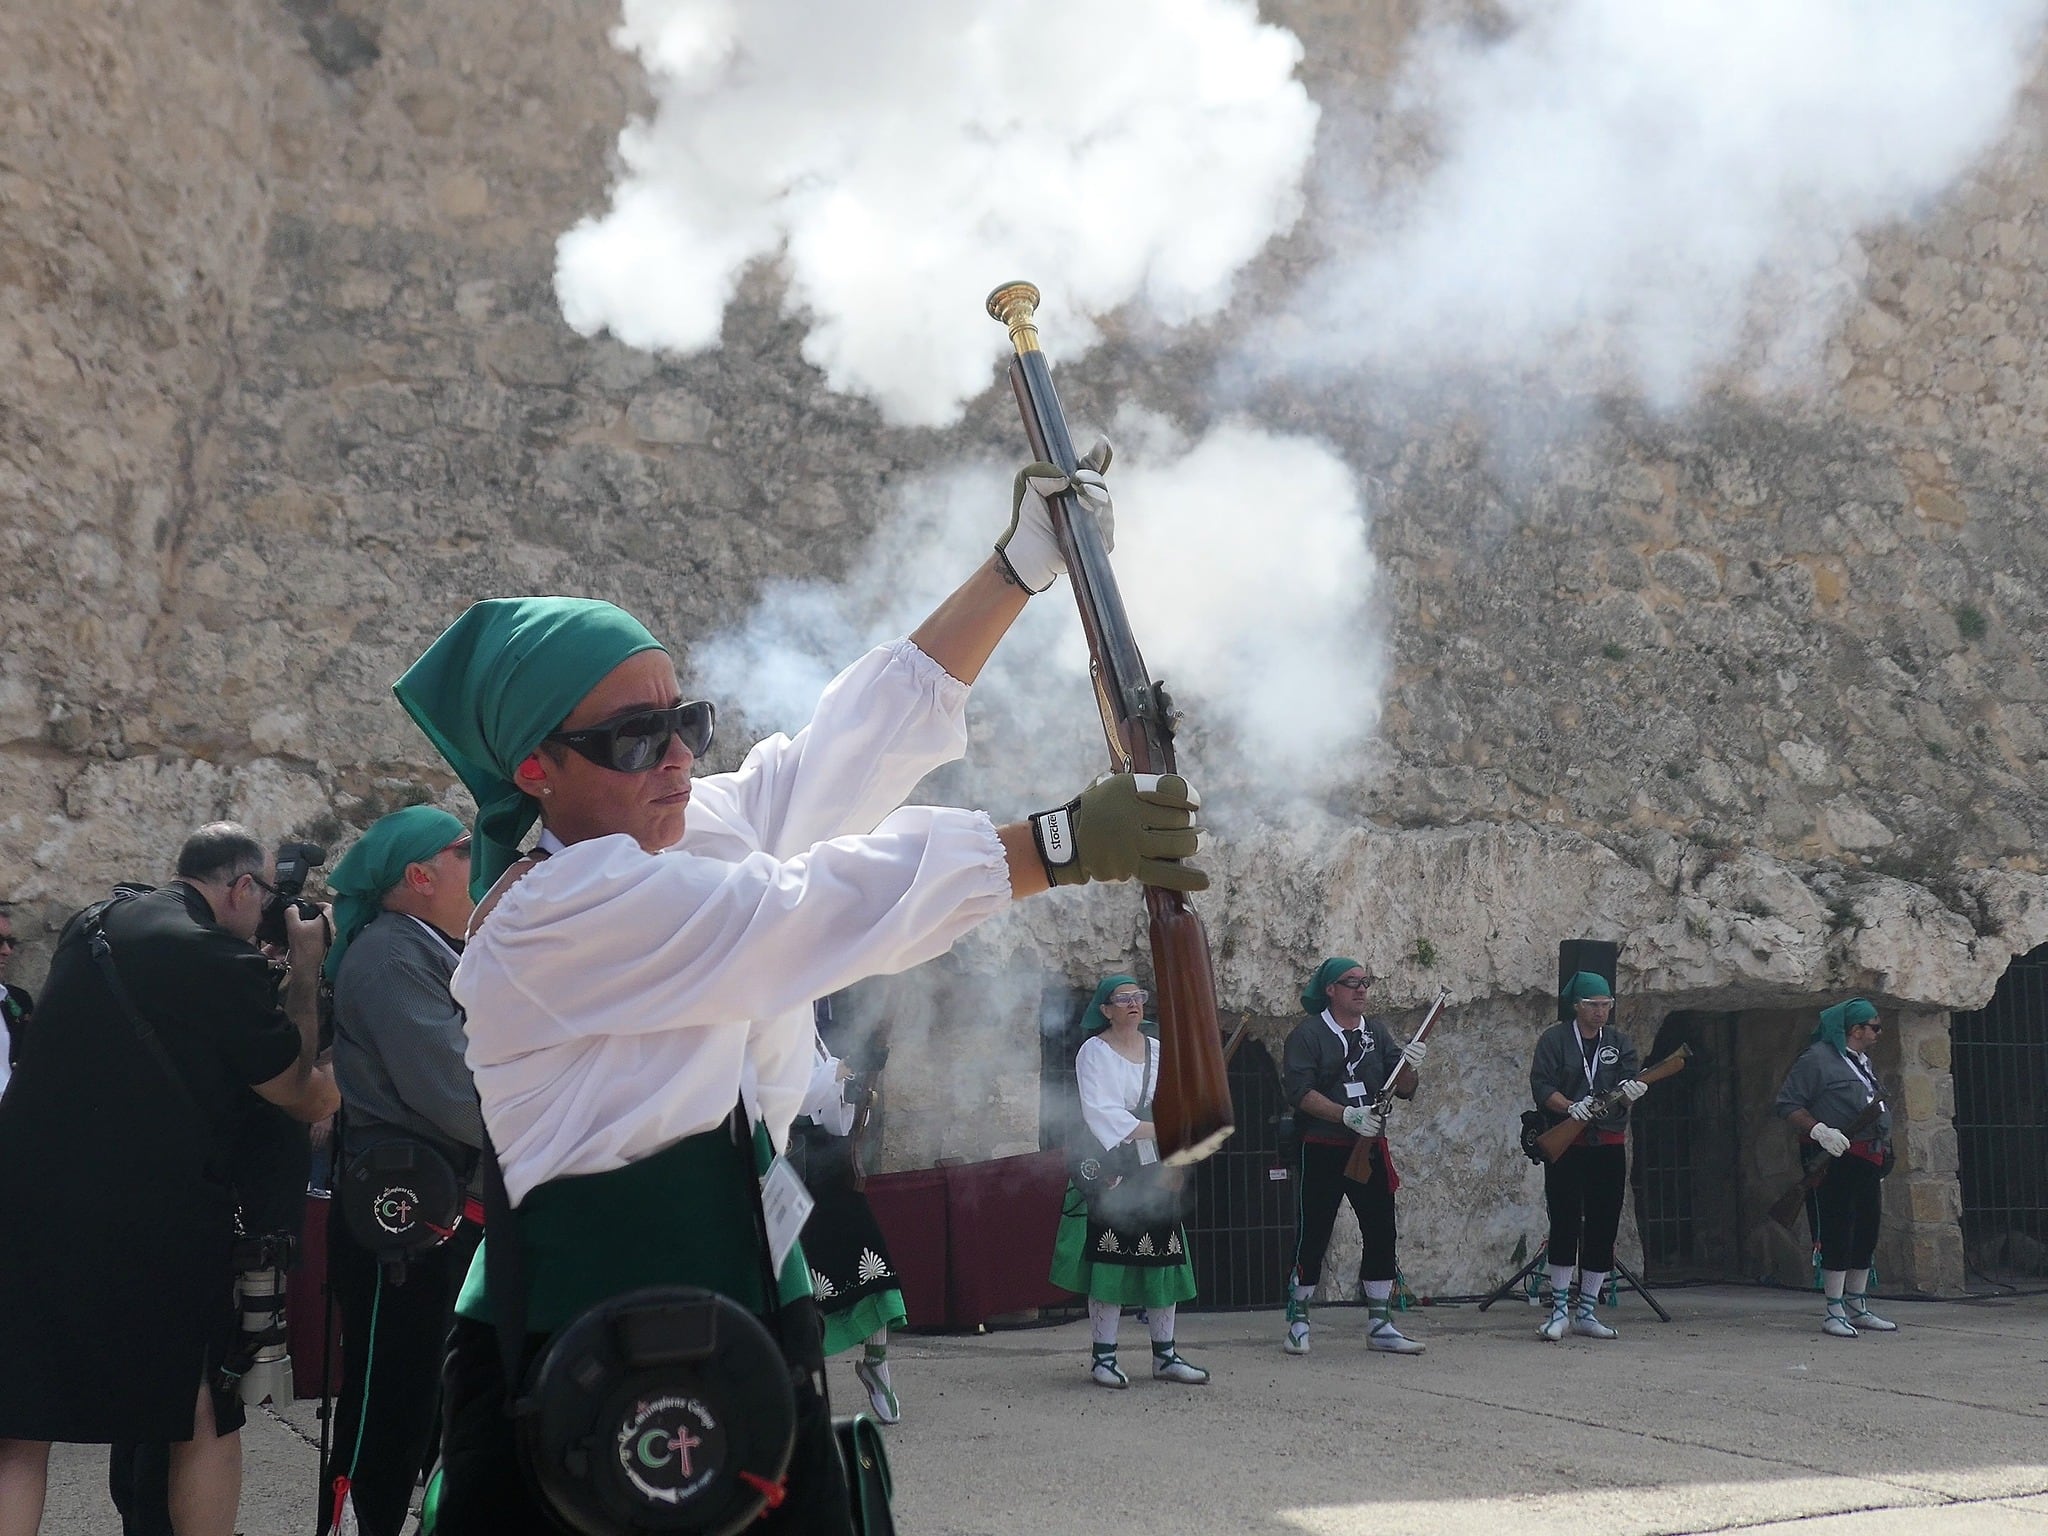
<point x="1354" y="1052"/>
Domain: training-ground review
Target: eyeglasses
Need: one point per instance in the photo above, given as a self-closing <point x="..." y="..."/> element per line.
<point x="9" y="941"/>
<point x="636" y="742"/>
<point x="1125" y="998"/>
<point x="1356" y="986"/>
<point x="460" y="850"/>
<point x="268" y="888"/>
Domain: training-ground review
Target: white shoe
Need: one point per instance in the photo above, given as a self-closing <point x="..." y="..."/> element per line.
<point x="1383" y="1335"/>
<point x="874" y="1375"/>
<point x="1835" y="1322"/>
<point x="1555" y="1325"/>
<point x="1864" y="1320"/>
<point x="1170" y="1367"/>
<point x="1588" y="1326"/>
<point x="1104" y="1372"/>
<point x="1296" y="1342"/>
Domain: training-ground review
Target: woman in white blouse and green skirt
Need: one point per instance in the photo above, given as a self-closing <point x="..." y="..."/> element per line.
<point x="1125" y="1246"/>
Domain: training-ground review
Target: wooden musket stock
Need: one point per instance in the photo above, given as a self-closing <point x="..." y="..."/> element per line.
<point x="1560" y="1138"/>
<point x="1191" y="1106"/>
<point x="1786" y="1208"/>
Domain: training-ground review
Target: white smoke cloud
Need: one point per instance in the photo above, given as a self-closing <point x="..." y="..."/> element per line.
<point x="902" y="157"/>
<point x="1641" y="191"/>
<point x="1243" y="561"/>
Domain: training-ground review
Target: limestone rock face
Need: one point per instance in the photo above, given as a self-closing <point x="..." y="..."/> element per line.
<point x="1759" y="690"/>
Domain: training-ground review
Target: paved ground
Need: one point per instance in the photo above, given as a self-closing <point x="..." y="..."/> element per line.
<point x="1737" y="1416"/>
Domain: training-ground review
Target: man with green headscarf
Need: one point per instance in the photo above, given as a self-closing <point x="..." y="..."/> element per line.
<point x="1336" y="1066"/>
<point x="656" y="961"/>
<point x="401" y="905"/>
<point x="1576" y="1061"/>
<point x="1830" y="1086"/>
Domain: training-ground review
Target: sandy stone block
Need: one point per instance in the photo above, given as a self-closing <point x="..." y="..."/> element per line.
<point x="463" y="195"/>
<point x="1934" y="1047"/>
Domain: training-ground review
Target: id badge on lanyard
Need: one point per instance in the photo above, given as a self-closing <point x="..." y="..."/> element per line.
<point x="786" y="1206"/>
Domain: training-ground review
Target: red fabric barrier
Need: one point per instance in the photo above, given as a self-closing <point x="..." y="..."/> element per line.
<point x="972" y="1241"/>
<point x="911" y="1210"/>
<point x="305" y="1303"/>
<point x="1002" y="1217"/>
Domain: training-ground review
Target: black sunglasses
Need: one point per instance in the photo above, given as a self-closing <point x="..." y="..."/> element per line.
<point x="638" y="741"/>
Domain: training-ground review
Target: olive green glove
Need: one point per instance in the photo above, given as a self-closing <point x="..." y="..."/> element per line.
<point x="1124" y="826"/>
<point x="1027" y="548"/>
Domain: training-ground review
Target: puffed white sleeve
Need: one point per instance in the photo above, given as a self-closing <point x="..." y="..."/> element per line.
<point x="605" y="939"/>
<point x="881" y="726"/>
<point x="1102" y="1106"/>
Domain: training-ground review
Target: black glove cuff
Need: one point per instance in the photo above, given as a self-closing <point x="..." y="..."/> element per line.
<point x="1052" y="833"/>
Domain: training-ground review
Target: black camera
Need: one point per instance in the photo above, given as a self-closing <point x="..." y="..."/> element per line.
<point x="295" y="861"/>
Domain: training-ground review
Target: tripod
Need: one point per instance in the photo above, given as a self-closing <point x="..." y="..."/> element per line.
<point x="1623" y="1275"/>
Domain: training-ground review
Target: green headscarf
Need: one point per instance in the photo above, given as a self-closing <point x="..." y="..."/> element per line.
<point x="1315" y="997"/>
<point x="1836" y="1022"/>
<point x="376" y="863"/>
<point x="1096" y="1019"/>
<point x="1587" y="984"/>
<point x="503" y="676"/>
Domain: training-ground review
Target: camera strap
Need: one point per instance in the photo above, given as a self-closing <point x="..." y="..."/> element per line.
<point x="92" y="926"/>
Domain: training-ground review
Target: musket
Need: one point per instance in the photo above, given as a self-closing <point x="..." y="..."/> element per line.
<point x="1560" y="1138"/>
<point x="1786" y="1208"/>
<point x="1358" y="1165"/>
<point x="1191" y="1106"/>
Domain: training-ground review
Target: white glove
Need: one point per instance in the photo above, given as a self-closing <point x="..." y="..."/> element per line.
<point x="1027" y="546"/>
<point x="1828" y="1139"/>
<point x="1583" y="1110"/>
<point x="1413" y="1052"/>
<point x="1634" y="1088"/>
<point x="1362" y="1120"/>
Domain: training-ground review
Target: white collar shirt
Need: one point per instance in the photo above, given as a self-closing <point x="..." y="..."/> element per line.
<point x="619" y="1001"/>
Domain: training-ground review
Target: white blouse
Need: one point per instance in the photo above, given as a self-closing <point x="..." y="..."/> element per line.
<point x="1113" y="1093"/>
<point x="825" y="1103"/>
<point x="619" y="1001"/>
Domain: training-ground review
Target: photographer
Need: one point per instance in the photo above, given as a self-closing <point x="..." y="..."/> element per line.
<point x="402" y="903"/>
<point x="116" y="1283"/>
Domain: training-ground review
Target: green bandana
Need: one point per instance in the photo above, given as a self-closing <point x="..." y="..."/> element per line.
<point x="1315" y="997"/>
<point x="503" y="676"/>
<point x="1096" y="1019"/>
<point x="1584" y="985"/>
<point x="376" y="863"/>
<point x="1836" y="1022"/>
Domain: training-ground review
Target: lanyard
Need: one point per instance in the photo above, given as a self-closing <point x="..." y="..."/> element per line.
<point x="1591" y="1062"/>
<point x="1868" y="1078"/>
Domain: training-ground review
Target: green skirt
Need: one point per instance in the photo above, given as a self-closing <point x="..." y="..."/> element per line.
<point x="1133" y="1267"/>
<point x="861" y="1321"/>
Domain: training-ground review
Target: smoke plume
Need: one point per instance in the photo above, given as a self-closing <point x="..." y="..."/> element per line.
<point x="901" y="157"/>
<point x="1640" y="192"/>
<point x="1243" y="561"/>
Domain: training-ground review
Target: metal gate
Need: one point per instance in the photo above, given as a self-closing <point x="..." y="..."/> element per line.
<point x="1242" y="1237"/>
<point x="1999" y="1057"/>
<point x="1684" y="1163"/>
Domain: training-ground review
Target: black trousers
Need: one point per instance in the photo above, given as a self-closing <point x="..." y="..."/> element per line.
<point x="1850" y="1204"/>
<point x="1320" y="1188"/>
<point x="1583" y="1190"/>
<point x="486" y="1492"/>
<point x="400" y="1359"/>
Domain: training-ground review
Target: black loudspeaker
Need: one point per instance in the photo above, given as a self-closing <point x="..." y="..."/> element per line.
<point x="1576" y="955"/>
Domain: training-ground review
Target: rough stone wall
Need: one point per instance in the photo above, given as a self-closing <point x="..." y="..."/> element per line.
<point x="1759" y="692"/>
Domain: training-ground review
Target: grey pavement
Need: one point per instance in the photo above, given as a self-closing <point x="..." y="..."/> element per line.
<point x="1736" y="1416"/>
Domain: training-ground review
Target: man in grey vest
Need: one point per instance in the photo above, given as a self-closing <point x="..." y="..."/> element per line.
<point x="402" y="905"/>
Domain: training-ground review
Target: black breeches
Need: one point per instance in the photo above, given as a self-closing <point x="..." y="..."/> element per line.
<point x="1583" y="1190"/>
<point x="486" y="1492"/>
<point x="409" y="1336"/>
<point x="1319" y="1188"/>
<point x="1850" y="1204"/>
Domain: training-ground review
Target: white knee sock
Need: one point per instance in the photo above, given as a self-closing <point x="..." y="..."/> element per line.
<point x="1162" y="1323"/>
<point x="1561" y="1278"/>
<point x="1102" y="1320"/>
<point x="1378" y="1290"/>
<point x="1832" y="1280"/>
<point x="1855" y="1281"/>
<point x="1303" y="1292"/>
